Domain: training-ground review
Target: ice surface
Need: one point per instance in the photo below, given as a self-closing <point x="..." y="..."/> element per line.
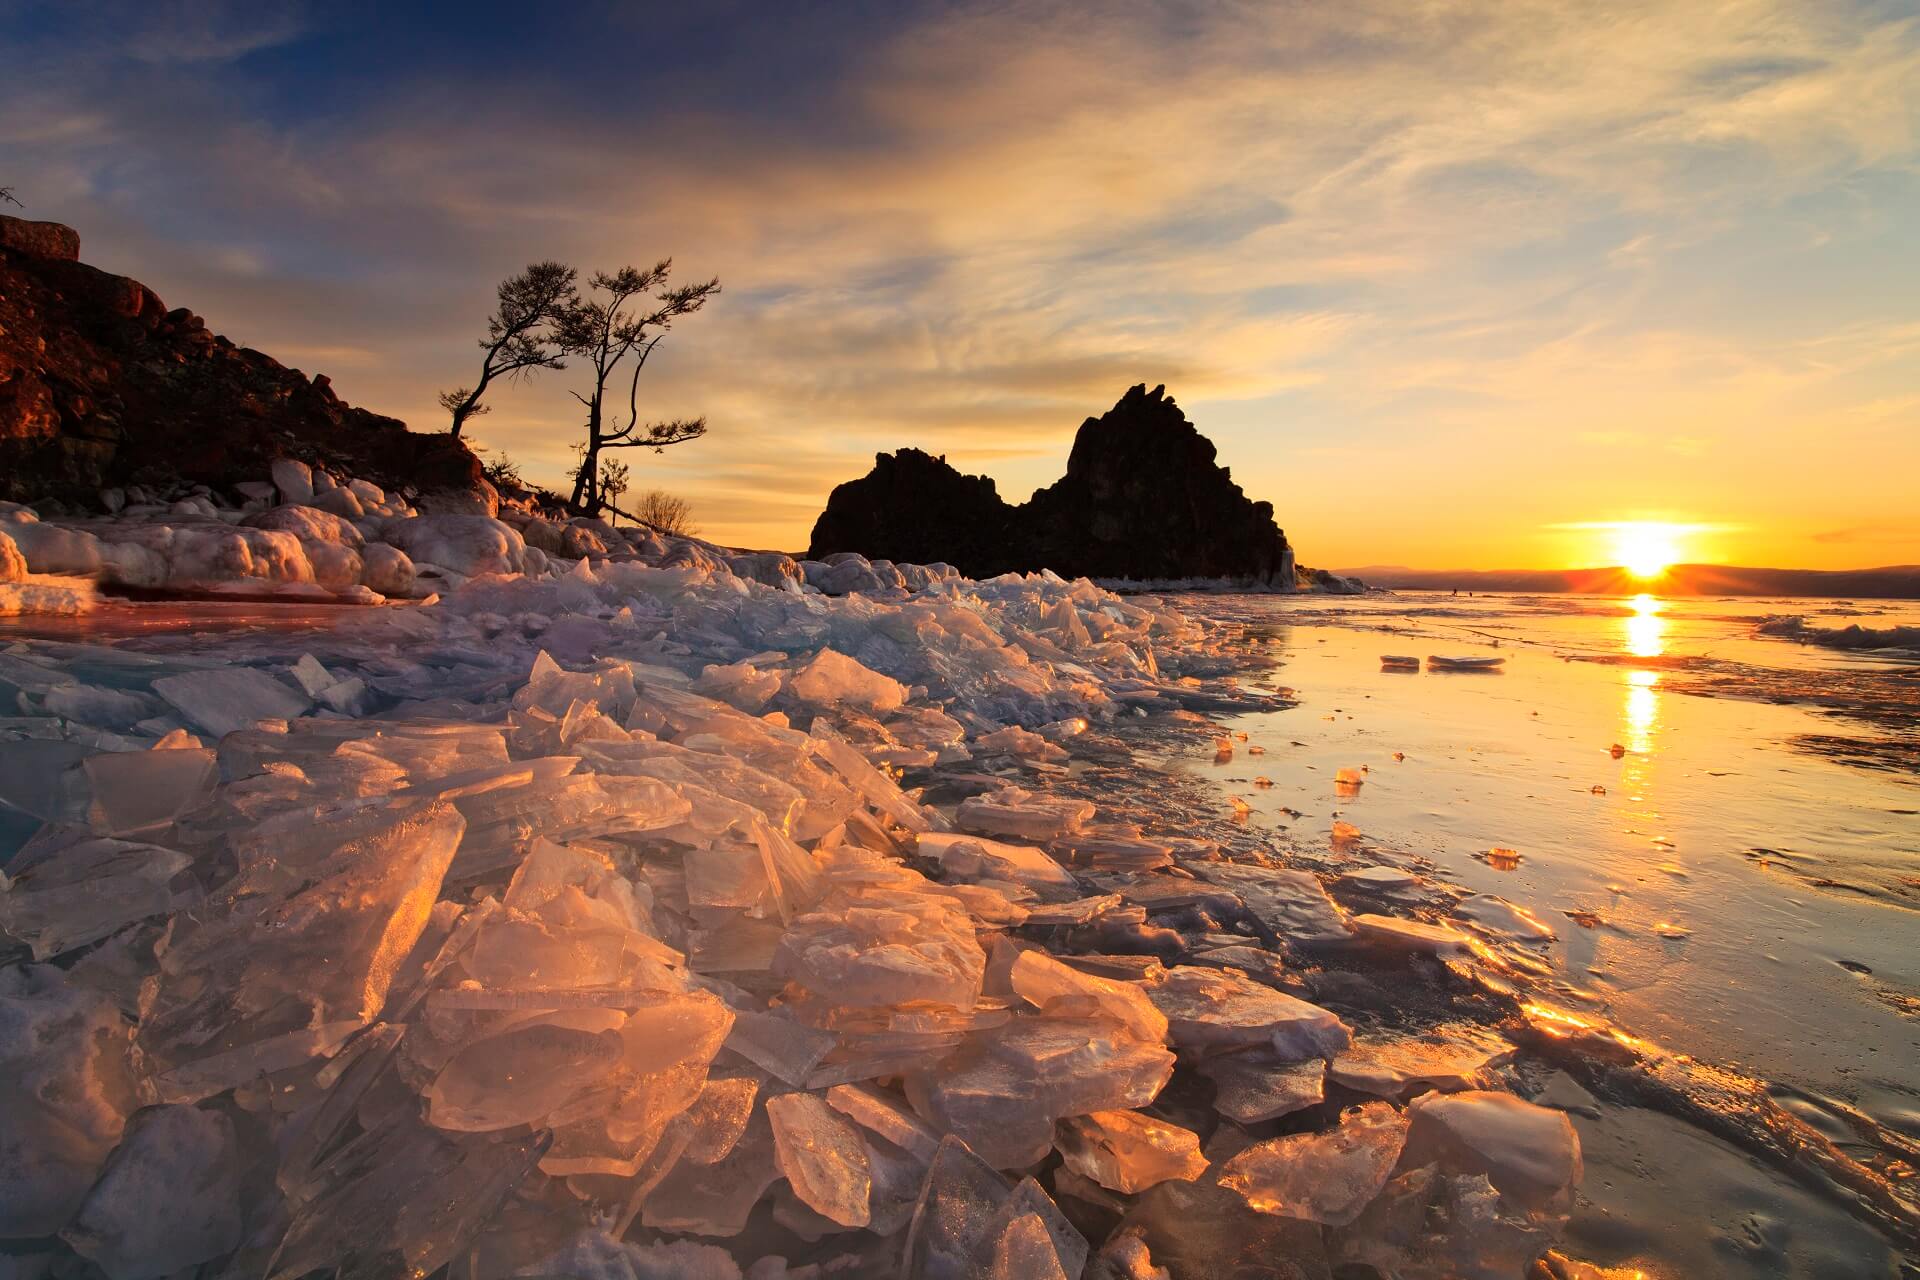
<point x="1128" y="1152"/>
<point x="596" y="1256"/>
<point x="1429" y="1225"/>
<point x="833" y="679"/>
<point x="1503" y="919"/>
<point x="1022" y="1250"/>
<point x="277" y="971"/>
<point x="221" y="702"/>
<point x="63" y="1057"/>
<point x="524" y="1074"/>
<point x="1399" y="1066"/>
<point x="1468" y="662"/>
<point x="1322" y="1177"/>
<point x="168" y="1198"/>
<point x="1013" y="811"/>
<point x="1530" y="1153"/>
<point x="1380" y="879"/>
<point x="1029" y="1236"/>
<point x="1393" y="933"/>
<point x="1211" y="1009"/>
<point x="140" y="790"/>
<point x="606" y="917"/>
<point x="1048" y="984"/>
<point x="1004" y="1090"/>
<point x="1293" y="904"/>
<point x="1199" y="1230"/>
<point x="822" y="1157"/>
<point x="979" y="858"/>
<point x="363" y="1217"/>
<point x="956" y="1207"/>
<point x="68" y="888"/>
<point x="883" y="1115"/>
<point x="1258" y="1084"/>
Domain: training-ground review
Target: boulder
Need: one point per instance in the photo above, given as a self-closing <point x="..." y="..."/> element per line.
<point x="42" y="239"/>
<point x="335" y="567"/>
<point x="465" y="544"/>
<point x="386" y="569"/>
<point x="770" y="568"/>
<point x="580" y="539"/>
<point x="53" y="549"/>
<point x="477" y="498"/>
<point x="542" y="534"/>
<point x="341" y="502"/>
<point x="294" y="480"/>
<point x="13" y="565"/>
<point x="309" y="524"/>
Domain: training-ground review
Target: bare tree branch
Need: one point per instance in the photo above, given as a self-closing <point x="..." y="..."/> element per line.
<point x="521" y="334"/>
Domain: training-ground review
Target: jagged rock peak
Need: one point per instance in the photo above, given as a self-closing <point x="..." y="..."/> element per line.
<point x="1143" y="497"/>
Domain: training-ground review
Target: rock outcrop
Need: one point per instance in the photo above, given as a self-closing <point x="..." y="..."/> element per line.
<point x="101" y="385"/>
<point x="914" y="508"/>
<point x="1143" y="498"/>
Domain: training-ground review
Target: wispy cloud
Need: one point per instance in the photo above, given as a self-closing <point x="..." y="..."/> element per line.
<point x="1454" y="263"/>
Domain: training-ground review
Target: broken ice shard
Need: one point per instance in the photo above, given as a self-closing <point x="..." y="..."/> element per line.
<point x="221" y="702"/>
<point x="68" y="888"/>
<point x="273" y="977"/>
<point x="822" y="1157"/>
<point x="1210" y="1009"/>
<point x="1127" y="1151"/>
<point x="1530" y="1153"/>
<point x="1322" y="1177"/>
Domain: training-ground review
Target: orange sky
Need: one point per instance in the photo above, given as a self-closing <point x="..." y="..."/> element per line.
<point x="1448" y="284"/>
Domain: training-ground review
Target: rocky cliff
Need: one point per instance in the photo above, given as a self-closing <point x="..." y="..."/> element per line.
<point x="1143" y="498"/>
<point x="101" y="385"/>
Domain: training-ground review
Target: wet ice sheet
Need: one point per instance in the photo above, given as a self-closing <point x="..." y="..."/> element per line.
<point x="1711" y="884"/>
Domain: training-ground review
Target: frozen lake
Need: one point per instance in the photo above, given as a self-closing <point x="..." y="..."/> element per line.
<point x="1019" y="865"/>
<point x="1738" y="883"/>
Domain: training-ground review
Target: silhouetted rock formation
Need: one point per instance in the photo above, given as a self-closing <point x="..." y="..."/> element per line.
<point x="100" y="384"/>
<point x="915" y="509"/>
<point x="1142" y="498"/>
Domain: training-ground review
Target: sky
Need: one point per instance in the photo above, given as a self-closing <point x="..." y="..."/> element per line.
<point x="1453" y="285"/>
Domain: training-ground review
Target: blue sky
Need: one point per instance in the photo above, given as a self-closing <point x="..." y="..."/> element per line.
<point x="1446" y="283"/>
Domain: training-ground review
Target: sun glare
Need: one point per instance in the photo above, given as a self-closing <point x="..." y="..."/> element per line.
<point x="1646" y="548"/>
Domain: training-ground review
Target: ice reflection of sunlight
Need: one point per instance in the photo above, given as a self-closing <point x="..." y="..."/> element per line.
<point x="1643" y="710"/>
<point x="1646" y="629"/>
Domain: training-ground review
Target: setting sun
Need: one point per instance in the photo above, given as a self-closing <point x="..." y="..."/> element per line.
<point x="1646" y="548"/>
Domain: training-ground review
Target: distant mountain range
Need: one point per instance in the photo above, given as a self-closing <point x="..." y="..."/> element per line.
<point x="1893" y="582"/>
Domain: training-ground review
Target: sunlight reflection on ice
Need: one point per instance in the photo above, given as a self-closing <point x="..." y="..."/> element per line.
<point x="1646" y="629"/>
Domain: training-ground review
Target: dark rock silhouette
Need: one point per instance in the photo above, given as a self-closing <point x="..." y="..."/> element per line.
<point x="1143" y="497"/>
<point x="915" y="509"/>
<point x="101" y="384"/>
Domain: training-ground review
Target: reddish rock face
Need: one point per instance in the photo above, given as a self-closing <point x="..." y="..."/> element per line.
<point x="100" y="384"/>
<point x="42" y="239"/>
<point x="1142" y="498"/>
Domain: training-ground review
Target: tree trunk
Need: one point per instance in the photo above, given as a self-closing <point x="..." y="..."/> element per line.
<point x="472" y="402"/>
<point x="586" y="485"/>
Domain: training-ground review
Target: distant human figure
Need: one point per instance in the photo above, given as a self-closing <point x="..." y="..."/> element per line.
<point x="1456" y="591"/>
